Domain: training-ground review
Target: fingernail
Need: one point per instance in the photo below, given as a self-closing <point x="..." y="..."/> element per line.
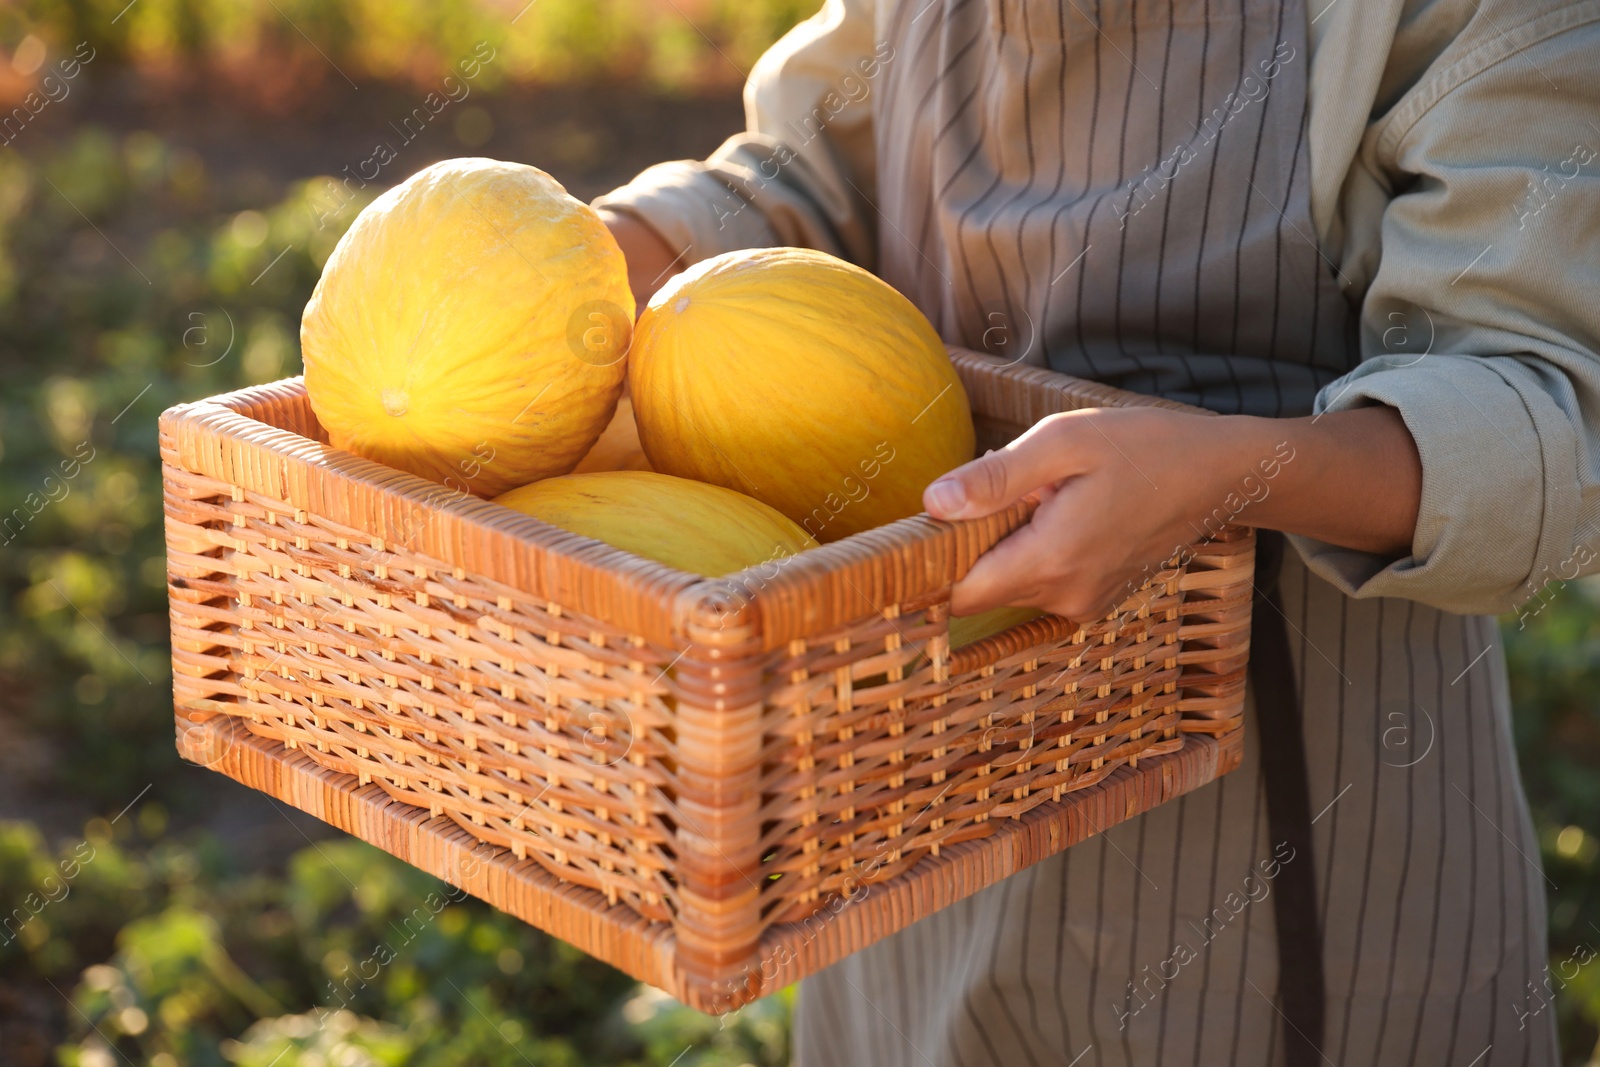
<point x="947" y="497"/>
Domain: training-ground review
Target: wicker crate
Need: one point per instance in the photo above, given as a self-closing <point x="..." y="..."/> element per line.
<point x="718" y="786"/>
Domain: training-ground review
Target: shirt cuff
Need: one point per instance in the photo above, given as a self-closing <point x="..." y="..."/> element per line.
<point x="696" y="213"/>
<point x="1496" y="453"/>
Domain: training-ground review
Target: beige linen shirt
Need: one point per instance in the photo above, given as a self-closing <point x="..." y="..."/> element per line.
<point x="1455" y="168"/>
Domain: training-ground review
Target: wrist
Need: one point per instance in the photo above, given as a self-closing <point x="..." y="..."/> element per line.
<point x="1352" y="478"/>
<point x="1244" y="469"/>
<point x="649" y="257"/>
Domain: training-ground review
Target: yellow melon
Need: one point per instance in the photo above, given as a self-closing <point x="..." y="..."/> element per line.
<point x="695" y="527"/>
<point x="618" y="448"/>
<point x="471" y="327"/>
<point x="801" y="380"/>
<point x="968" y="629"/>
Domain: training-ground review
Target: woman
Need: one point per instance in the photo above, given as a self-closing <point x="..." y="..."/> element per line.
<point x="1363" y="232"/>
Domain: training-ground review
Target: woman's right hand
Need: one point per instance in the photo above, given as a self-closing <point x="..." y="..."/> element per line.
<point x="650" y="259"/>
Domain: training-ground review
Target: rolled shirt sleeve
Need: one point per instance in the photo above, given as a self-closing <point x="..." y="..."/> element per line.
<point x="1482" y="320"/>
<point x="803" y="172"/>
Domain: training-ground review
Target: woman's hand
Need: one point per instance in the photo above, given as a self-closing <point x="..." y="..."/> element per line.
<point x="649" y="257"/>
<point x="1121" y="491"/>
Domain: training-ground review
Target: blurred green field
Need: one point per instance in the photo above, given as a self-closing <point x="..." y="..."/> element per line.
<point x="160" y="230"/>
<point x="284" y="51"/>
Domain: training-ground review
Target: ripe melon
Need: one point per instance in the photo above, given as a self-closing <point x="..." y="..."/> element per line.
<point x="801" y="380"/>
<point x="618" y="448"/>
<point x="470" y="327"/>
<point x="695" y="527"/>
<point x="970" y="629"/>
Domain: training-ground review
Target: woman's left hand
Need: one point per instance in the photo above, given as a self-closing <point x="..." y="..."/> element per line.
<point x="1122" y="490"/>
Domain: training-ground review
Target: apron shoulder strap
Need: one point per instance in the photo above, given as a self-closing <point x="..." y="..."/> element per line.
<point x="1301" y="984"/>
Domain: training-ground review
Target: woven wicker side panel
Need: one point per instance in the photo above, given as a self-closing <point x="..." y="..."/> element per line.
<point x="648" y="950"/>
<point x="881" y="748"/>
<point x="876" y="909"/>
<point x="218" y="439"/>
<point x="611" y="932"/>
<point x="535" y="729"/>
<point x="1215" y="635"/>
<point x="878" y="755"/>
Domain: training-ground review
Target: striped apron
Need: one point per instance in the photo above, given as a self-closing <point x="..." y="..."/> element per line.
<point x="1121" y="191"/>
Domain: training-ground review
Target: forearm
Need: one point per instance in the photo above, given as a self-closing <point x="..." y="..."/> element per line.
<point x="1355" y="479"/>
<point x="650" y="260"/>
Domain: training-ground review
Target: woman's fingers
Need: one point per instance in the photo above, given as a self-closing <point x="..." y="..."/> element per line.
<point x="1006" y="574"/>
<point x="1046" y="564"/>
<point x="1064" y="560"/>
<point x="1118" y="492"/>
<point x="1041" y="457"/>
